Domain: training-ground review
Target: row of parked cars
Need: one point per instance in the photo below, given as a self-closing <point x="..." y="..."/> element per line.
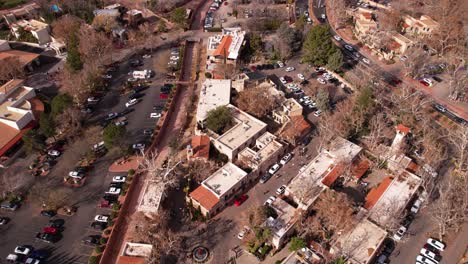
<point x="110" y="197"/>
<point x="27" y="254"/>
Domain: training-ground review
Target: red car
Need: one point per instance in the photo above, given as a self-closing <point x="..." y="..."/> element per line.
<point x="49" y="230"/>
<point x="163" y="96"/>
<point x="253" y="68"/>
<point x="424" y="83"/>
<point x="288" y="79"/>
<point x="240" y="200"/>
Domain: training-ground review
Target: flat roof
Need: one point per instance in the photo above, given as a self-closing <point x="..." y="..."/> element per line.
<point x="137" y="250"/>
<point x="31" y="24"/>
<point x="266" y="145"/>
<point x="14" y="106"/>
<point x="24" y="57"/>
<point x="394" y="198"/>
<point x="151" y="197"/>
<point x="343" y="150"/>
<point x="224" y="179"/>
<point x="213" y="93"/>
<point x="287" y="217"/>
<point x="362" y="242"/>
<point x="245" y="128"/>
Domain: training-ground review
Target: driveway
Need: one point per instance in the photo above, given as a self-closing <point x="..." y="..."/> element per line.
<point x="26" y="221"/>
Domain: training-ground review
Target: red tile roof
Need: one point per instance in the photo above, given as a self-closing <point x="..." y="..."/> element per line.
<point x="359" y="168"/>
<point x="374" y="195"/>
<point x="201" y="146"/>
<point x="403" y="129"/>
<point x="333" y="175"/>
<point x="223" y="48"/>
<point x="9" y="136"/>
<point x="394" y="45"/>
<point x="405" y="25"/>
<point x="24" y="57"/>
<point x="297" y="128"/>
<point x="367" y="15"/>
<point x="412" y="167"/>
<point x="206" y="198"/>
<point x="130" y="260"/>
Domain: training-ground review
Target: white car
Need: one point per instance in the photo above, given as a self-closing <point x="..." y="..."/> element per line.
<point x="92" y="100"/>
<point x="282" y="80"/>
<point x="270" y="200"/>
<point x="338" y="38"/>
<point x="140" y="146"/>
<point x="323" y="16"/>
<point x="309" y="20"/>
<point x="155" y="115"/>
<point x="301" y="76"/>
<point x="23" y="250"/>
<point x="304" y="98"/>
<point x="286" y="158"/>
<point x="348" y="47"/>
<point x="403" y="58"/>
<point x="318" y="113"/>
<point x="321" y="81"/>
<point x="436" y="243"/>
<point x="429" y="254"/>
<point x="425" y="260"/>
<point x="290" y="69"/>
<point x="131" y="102"/>
<point x="131" y="80"/>
<point x="243" y="232"/>
<point x="400" y="233"/>
<point x="146" y="56"/>
<point x="280" y="64"/>
<point x="75" y="174"/>
<point x="101" y="218"/>
<point x="274" y="168"/>
<point x="306" y="13"/>
<point x="119" y="179"/>
<point x="114" y="190"/>
<point x="174" y="58"/>
<point x="416" y="206"/>
<point x="429" y="81"/>
<point x="366" y="60"/>
<point x="53" y="153"/>
<point x="281" y="190"/>
<point x="292" y="86"/>
<point x="32" y="261"/>
<point x="121" y="123"/>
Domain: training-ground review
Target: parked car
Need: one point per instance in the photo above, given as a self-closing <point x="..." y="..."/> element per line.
<point x="366" y="60"/>
<point x="280" y="64"/>
<point x="425" y="260"/>
<point x="440" y="108"/>
<point x="48" y="238"/>
<point x="92" y="99"/>
<point x="32" y="261"/>
<point x="39" y="254"/>
<point x="114" y="190"/>
<point x="318" y="113"/>
<point x="239" y="201"/>
<point x="23" y="250"/>
<point x="399" y="233"/>
<point x="281" y="190"/>
<point x="155" y="115"/>
<point x="101" y="218"/>
<point x="338" y="38"/>
<point x="93" y="240"/>
<point x="436" y="243"/>
<point x="4" y="220"/>
<point x="121" y="123"/>
<point x="243" y="232"/>
<point x="53" y="153"/>
<point x="119" y="179"/>
<point x="290" y="69"/>
<point x="138" y="146"/>
<point x="50" y="230"/>
<point x="48" y="213"/>
<point x="131" y="102"/>
<point x="382" y="259"/>
<point x="416" y="206"/>
<point x="429" y="254"/>
<point x="98" y="225"/>
<point x="270" y="200"/>
<point x="56" y="223"/>
<point x="321" y="81"/>
<point x="348" y="47"/>
<point x="273" y="169"/>
<point x="282" y="80"/>
<point x="265" y="178"/>
<point x="111" y="116"/>
<point x="301" y="76"/>
<point x="286" y="158"/>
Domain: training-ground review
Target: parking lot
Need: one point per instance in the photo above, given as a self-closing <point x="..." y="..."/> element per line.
<point x="27" y="221"/>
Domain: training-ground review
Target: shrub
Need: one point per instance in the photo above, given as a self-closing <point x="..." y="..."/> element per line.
<point x="98" y="249"/>
<point x="131" y="172"/>
<point x="208" y="75"/>
<point x="103" y="240"/>
<point x="93" y="260"/>
<point x="116" y="207"/>
<point x="107" y="231"/>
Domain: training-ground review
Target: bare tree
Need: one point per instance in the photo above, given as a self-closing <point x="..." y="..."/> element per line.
<point x="11" y="68"/>
<point x="257" y="101"/>
<point x="63" y="27"/>
<point x="459" y="140"/>
<point x="94" y="45"/>
<point x="70" y="122"/>
<point x="13" y="179"/>
<point x="339" y="8"/>
<point x="105" y="23"/>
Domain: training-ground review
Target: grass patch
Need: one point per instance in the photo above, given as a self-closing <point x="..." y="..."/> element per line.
<point x="11" y="3"/>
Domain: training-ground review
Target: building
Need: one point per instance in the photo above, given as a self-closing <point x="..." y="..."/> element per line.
<point x="243" y="133"/>
<point x="199" y="148"/>
<point x="425" y="25"/>
<point x="18" y="112"/>
<point x="28" y="11"/>
<point x="27" y="59"/>
<point x="289" y="108"/>
<point x="386" y="202"/>
<point x="248" y="80"/>
<point x="303" y="256"/>
<point x="225" y="48"/>
<point x="266" y="152"/>
<point x="283" y="225"/>
<point x="361" y="244"/>
<point x="213" y="93"/>
<point x="218" y="189"/>
<point x="364" y="22"/>
<point x="135" y="253"/>
<point x="40" y="30"/>
<point x="322" y="171"/>
<point x="398" y="45"/>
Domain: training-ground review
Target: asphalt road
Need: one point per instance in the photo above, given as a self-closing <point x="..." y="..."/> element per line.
<point x="26" y="221"/>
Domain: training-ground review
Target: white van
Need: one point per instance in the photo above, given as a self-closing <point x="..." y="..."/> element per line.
<point x="416" y="206"/>
<point x="144" y="74"/>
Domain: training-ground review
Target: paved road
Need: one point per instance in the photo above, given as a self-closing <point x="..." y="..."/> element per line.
<point x="27" y="221"/>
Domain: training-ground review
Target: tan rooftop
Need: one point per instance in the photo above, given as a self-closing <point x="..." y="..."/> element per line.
<point x="24" y="57"/>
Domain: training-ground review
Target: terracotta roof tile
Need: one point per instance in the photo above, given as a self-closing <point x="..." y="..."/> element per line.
<point x="403" y="128"/>
<point x="23" y="56"/>
<point x="331" y="177"/>
<point x="412" y="167"/>
<point x="205" y="197"/>
<point x="130" y="260"/>
<point x="201" y="146"/>
<point x="297" y="128"/>
<point x="374" y="195"/>
<point x="359" y="168"/>
<point x="223" y="48"/>
<point x="394" y="45"/>
<point x="9" y="136"/>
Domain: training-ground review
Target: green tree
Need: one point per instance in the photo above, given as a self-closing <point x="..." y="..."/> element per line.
<point x="323" y="99"/>
<point x="73" y="54"/>
<point x="179" y="16"/>
<point x="256" y="43"/>
<point x="318" y="46"/>
<point x="32" y="141"/>
<point x="112" y="134"/>
<point x="59" y="104"/>
<point x="365" y="99"/>
<point x="26" y="36"/>
<point x="46" y="125"/>
<point x="301" y="22"/>
<point x="162" y="26"/>
<point x="335" y="61"/>
<point x="297" y="243"/>
<point x="219" y="119"/>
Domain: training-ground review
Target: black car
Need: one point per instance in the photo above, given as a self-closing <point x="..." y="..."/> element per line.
<point x="12" y="206"/>
<point x="99" y="225"/>
<point x="148" y="132"/>
<point x="110" y="198"/>
<point x="116" y="184"/>
<point x="4" y="220"/>
<point x="91" y="240"/>
<point x="134" y="96"/>
<point x="48" y="213"/>
<point x="157" y="107"/>
<point x="306" y="140"/>
<point x="40" y="254"/>
<point x="437" y="79"/>
<point x="136" y="63"/>
<point x="56" y="223"/>
<point x="48" y="238"/>
<point x="125" y="111"/>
